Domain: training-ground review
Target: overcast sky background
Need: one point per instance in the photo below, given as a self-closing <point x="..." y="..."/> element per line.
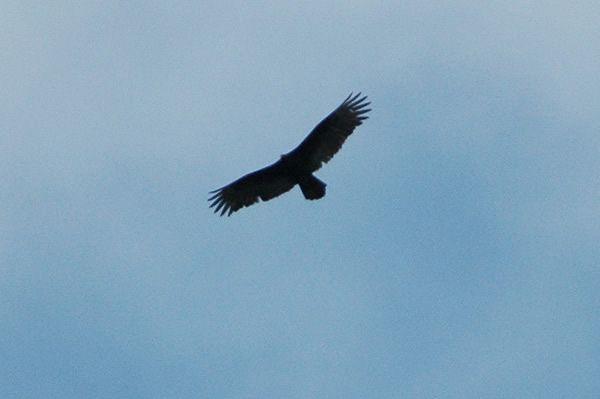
<point x="455" y="255"/>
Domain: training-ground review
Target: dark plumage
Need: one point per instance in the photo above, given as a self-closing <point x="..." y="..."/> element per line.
<point x="297" y="166"/>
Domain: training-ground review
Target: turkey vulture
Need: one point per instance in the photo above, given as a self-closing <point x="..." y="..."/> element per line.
<point x="297" y="166"/>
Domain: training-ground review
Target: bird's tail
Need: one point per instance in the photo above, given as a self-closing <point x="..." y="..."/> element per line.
<point x="312" y="188"/>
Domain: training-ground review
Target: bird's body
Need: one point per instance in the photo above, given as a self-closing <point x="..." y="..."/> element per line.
<point x="297" y="166"/>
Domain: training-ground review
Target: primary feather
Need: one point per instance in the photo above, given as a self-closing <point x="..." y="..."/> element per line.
<point x="297" y="166"/>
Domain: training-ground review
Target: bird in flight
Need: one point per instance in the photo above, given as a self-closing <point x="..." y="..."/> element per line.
<point x="298" y="165"/>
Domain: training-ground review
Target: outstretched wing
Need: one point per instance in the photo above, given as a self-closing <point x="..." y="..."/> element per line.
<point x="266" y="183"/>
<point x="327" y="137"/>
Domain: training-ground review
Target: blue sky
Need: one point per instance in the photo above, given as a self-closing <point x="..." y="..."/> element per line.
<point x="456" y="252"/>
